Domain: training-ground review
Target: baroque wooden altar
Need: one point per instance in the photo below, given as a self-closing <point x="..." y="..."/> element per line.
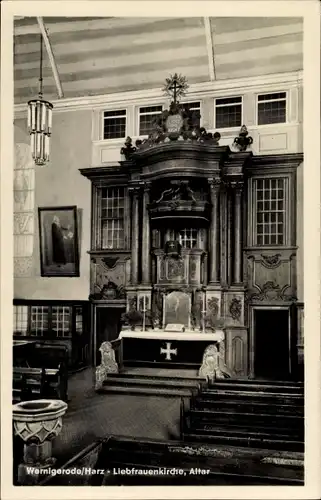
<point x="189" y="228"/>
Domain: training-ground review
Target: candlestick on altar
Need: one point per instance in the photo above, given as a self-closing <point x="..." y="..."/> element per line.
<point x="144" y="313"/>
<point x="204" y="312"/>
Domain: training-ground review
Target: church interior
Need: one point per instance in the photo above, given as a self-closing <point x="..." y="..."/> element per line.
<point x="158" y="251"/>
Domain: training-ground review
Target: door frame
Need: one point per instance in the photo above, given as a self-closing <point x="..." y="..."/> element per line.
<point x="120" y="304"/>
<point x="265" y="307"/>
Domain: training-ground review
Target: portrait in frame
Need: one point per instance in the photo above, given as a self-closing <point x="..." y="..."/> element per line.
<point x="58" y="236"/>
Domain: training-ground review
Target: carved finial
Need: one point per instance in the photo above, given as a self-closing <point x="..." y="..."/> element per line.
<point x="128" y="149"/>
<point x="175" y="86"/>
<point x="243" y="141"/>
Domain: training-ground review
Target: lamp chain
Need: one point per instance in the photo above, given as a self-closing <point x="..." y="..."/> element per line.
<point x="40" y="73"/>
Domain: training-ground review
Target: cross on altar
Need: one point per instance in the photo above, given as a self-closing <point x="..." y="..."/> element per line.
<point x="168" y="351"/>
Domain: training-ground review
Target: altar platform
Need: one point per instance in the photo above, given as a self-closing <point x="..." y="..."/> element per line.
<point x="161" y="348"/>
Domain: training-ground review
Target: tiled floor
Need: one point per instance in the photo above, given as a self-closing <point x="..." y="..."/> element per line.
<point x="91" y="416"/>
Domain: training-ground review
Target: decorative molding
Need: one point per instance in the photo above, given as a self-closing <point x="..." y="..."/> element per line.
<point x="193" y="268"/>
<point x="271" y="261"/>
<point x="215" y="183"/>
<point x="109" y="291"/>
<point x="110" y="262"/>
<point x="132" y="304"/>
<point x="236" y="308"/>
<point x="196" y="91"/>
<point x="213" y="306"/>
<point x="270" y="291"/>
<point x="108" y="277"/>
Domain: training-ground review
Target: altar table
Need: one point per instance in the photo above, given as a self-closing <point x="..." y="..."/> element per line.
<point x="165" y="348"/>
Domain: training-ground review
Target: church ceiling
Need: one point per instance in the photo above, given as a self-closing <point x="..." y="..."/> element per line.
<point x="97" y="56"/>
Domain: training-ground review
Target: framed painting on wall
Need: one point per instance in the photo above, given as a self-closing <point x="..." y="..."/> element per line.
<point x="58" y="235"/>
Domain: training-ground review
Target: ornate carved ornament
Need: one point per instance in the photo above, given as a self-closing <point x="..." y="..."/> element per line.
<point x="236" y="186"/>
<point x="243" y="141"/>
<point x="270" y="291"/>
<point x="193" y="268"/>
<point x="215" y="182"/>
<point x="179" y="198"/>
<point x="110" y="262"/>
<point x="109" y="291"/>
<point x="236" y="308"/>
<point x="271" y="261"/>
<point x="213" y="307"/>
<point x="176" y="123"/>
<point x="128" y="149"/>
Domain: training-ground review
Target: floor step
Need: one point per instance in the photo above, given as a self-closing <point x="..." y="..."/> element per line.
<point x="241" y="431"/>
<point x="237" y="405"/>
<point x="224" y="393"/>
<point x="260" y="382"/>
<point x="161" y="374"/>
<point x="292" y="389"/>
<point x="148" y="391"/>
<point x="148" y="381"/>
<point x="254" y="417"/>
<point x="272" y="444"/>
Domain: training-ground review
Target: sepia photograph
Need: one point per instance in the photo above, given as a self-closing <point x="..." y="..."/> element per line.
<point x="163" y="344"/>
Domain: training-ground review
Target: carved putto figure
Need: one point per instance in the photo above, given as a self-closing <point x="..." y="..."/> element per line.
<point x="108" y="364"/>
<point x="210" y="369"/>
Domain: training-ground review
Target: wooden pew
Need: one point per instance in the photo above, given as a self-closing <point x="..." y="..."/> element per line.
<point x="38" y="383"/>
<point x="44" y="373"/>
<point x="191" y="464"/>
<point x="267" y="415"/>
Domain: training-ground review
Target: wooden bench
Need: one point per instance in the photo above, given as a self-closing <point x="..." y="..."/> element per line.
<point x="38" y="383"/>
<point x="42" y="373"/>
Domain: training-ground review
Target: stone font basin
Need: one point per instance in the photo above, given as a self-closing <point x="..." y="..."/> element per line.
<point x="39" y="420"/>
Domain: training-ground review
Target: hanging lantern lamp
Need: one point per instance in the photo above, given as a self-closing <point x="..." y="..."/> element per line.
<point x="39" y="123"/>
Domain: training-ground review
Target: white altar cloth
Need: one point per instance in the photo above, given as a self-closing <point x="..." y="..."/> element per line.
<point x="155" y="334"/>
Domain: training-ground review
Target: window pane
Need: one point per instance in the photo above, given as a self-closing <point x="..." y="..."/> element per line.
<point x="114" y="124"/>
<point x="191" y="105"/>
<point x="271" y="112"/>
<point x="150" y="109"/>
<point x="111" y="218"/>
<point x="267" y="97"/>
<point x="60" y="320"/>
<point x="108" y="114"/>
<point x="228" y="100"/>
<point x="270" y="226"/>
<point x="20" y="320"/>
<point x="147" y="123"/>
<point x="79" y="320"/>
<point x="229" y="116"/>
<point x="39" y="320"/>
<point x="188" y="238"/>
